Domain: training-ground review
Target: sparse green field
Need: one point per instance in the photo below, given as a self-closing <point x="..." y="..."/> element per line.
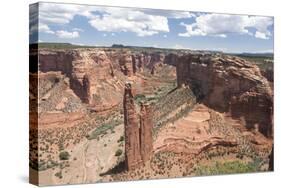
<point x="229" y="168"/>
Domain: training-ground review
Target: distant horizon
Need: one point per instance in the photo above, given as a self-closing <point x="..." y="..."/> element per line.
<point x="111" y="46"/>
<point x="91" y="25"/>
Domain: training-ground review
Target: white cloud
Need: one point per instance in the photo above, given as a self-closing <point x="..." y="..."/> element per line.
<point x="148" y="22"/>
<point x="180" y="14"/>
<point x="78" y="29"/>
<point x="45" y="29"/>
<point x="220" y="25"/>
<point x="126" y="20"/>
<point x="108" y="19"/>
<point x="53" y="13"/>
<point x="261" y="35"/>
<point x="66" y="34"/>
<point x="167" y="13"/>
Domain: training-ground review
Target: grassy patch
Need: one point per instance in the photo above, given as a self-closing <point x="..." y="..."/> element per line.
<point x="102" y="130"/>
<point x="229" y="168"/>
<point x="64" y="155"/>
<point x="118" y="152"/>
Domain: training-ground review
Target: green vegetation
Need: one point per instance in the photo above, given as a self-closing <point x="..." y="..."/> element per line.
<point x="64" y="155"/>
<point x="102" y="130"/>
<point x="263" y="61"/>
<point x="229" y="168"/>
<point x="59" y="174"/>
<point x="121" y="139"/>
<point x="168" y="103"/>
<point x="139" y="97"/>
<point x="118" y="152"/>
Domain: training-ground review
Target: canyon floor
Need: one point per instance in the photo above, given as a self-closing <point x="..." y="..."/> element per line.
<point x="78" y="137"/>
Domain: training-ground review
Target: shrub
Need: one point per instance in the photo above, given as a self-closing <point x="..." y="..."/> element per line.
<point x="121" y="139"/>
<point x="58" y="174"/>
<point x="64" y="155"/>
<point x="118" y="152"/>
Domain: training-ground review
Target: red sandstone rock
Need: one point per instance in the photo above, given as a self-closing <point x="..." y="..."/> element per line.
<point x="132" y="137"/>
<point x="138" y="132"/>
<point x="229" y="84"/>
<point x="86" y="69"/>
<point x="146" y="132"/>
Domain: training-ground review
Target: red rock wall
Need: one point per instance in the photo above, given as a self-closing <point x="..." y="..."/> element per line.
<point x="146" y="132"/>
<point x="132" y="136"/>
<point x="229" y="84"/>
<point x="85" y="69"/>
<point x="138" y="131"/>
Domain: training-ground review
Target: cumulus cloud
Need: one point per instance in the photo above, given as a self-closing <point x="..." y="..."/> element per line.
<point x="45" y="29"/>
<point x="78" y="29"/>
<point x="53" y="13"/>
<point x="126" y="20"/>
<point x="148" y="22"/>
<point x="168" y="13"/>
<point x="142" y="22"/>
<point x="220" y="25"/>
<point x="261" y="35"/>
<point x="67" y="34"/>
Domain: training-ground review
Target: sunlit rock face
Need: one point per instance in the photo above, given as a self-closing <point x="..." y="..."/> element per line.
<point x="229" y="84"/>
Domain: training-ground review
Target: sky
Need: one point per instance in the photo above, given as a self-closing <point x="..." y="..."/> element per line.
<point x="104" y="26"/>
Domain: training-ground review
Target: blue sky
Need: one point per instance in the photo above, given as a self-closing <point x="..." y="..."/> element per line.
<point x="104" y="26"/>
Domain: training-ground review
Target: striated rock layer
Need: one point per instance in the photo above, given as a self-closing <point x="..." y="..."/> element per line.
<point x="138" y="131"/>
<point x="229" y="84"/>
<point x="94" y="73"/>
<point x="146" y="125"/>
<point x="132" y="139"/>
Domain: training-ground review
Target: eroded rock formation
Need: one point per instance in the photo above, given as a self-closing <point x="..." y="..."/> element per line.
<point x="146" y="125"/>
<point x="138" y="131"/>
<point x="132" y="137"/>
<point x="229" y="84"/>
<point x="91" y="70"/>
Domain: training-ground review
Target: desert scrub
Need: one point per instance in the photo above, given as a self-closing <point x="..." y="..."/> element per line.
<point x="118" y="152"/>
<point x="102" y="130"/>
<point x="64" y="155"/>
<point x="229" y="168"/>
<point x="121" y="139"/>
<point x="59" y="174"/>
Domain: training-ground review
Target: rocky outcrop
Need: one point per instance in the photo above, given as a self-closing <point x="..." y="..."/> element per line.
<point x="138" y="131"/>
<point x="225" y="83"/>
<point x="86" y="69"/>
<point x="92" y="70"/>
<point x="229" y="84"/>
<point x="146" y="125"/>
<point x="132" y="136"/>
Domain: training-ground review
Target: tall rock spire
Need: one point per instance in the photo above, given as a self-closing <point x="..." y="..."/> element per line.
<point x="145" y="132"/>
<point x="132" y="136"/>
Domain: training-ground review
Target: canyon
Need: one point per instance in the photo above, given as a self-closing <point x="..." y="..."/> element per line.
<point x="155" y="113"/>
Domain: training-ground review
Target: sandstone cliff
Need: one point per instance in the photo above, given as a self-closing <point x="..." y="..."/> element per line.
<point x="229" y="84"/>
<point x="138" y="131"/>
<point x="97" y="76"/>
<point x="132" y="136"/>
